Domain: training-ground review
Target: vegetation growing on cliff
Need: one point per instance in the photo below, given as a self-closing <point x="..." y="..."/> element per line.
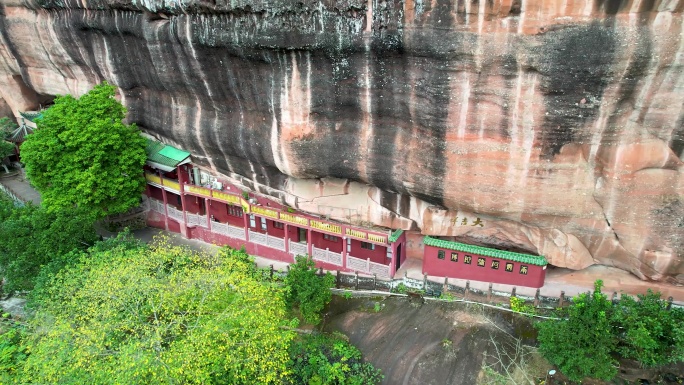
<point x="84" y="155"/>
<point x="597" y="333"/>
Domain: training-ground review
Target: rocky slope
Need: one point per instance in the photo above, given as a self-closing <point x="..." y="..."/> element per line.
<point x="548" y="126"/>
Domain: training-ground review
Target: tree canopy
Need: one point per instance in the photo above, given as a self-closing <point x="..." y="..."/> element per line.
<point x="82" y="154"/>
<point x="31" y="237"/>
<point x="597" y="332"/>
<point x="158" y="314"/>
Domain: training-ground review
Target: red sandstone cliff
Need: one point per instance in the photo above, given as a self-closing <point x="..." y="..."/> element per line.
<point x="559" y="124"/>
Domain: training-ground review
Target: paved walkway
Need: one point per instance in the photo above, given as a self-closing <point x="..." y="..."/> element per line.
<point x="20" y="187"/>
<point x="557" y="279"/>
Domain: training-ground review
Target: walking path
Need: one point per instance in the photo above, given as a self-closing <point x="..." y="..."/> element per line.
<point x="557" y="279"/>
<point x="20" y="187"/>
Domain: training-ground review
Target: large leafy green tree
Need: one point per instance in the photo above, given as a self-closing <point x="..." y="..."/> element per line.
<point x="82" y="154"/>
<point x="583" y="345"/>
<point x="31" y="237"/>
<point x="648" y="331"/>
<point x="158" y="315"/>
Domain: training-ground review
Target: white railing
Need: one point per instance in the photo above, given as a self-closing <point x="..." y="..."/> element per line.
<point x="267" y="240"/>
<point x="236" y="232"/>
<point x="297" y="248"/>
<point x="196" y="219"/>
<point x="357" y="264"/>
<point x="327" y="256"/>
<point x="192" y="219"/>
<point x="156" y="205"/>
<point x="228" y="230"/>
<point x="256" y="237"/>
<point x="379" y="269"/>
<point x="175" y="213"/>
<point x="275" y="242"/>
<point x="368" y="267"/>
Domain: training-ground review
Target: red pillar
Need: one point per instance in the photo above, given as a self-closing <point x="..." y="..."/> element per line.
<point x="245" y="220"/>
<point x="393" y="265"/>
<point x="344" y="252"/>
<point x="308" y="242"/>
<point x="166" y="209"/>
<point x="207" y="205"/>
<point x="183" y="226"/>
<point x="287" y="239"/>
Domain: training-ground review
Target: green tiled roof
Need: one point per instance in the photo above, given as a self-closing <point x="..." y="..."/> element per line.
<point x="174" y="153"/>
<point x="485" y="251"/>
<point x="164" y="154"/>
<point x="32" y="115"/>
<point x="395" y="235"/>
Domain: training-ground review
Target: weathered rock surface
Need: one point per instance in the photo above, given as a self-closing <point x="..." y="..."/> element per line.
<point x="556" y="125"/>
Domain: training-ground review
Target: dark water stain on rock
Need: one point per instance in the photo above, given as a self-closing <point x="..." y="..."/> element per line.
<point x="577" y="63"/>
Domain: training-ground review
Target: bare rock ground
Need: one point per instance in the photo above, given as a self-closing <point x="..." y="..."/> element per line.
<point x="417" y="343"/>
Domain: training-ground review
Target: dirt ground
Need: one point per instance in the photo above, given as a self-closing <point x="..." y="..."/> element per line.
<point x="433" y="343"/>
<point x="430" y="343"/>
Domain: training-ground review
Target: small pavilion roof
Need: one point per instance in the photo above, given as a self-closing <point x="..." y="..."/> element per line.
<point x="165" y="157"/>
<point x="19" y="135"/>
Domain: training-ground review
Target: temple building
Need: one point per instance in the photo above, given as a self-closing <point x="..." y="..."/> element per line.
<point x="186" y="199"/>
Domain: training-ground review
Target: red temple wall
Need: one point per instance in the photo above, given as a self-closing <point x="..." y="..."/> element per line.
<point x="432" y="265"/>
<point x="378" y="255"/>
<point x="322" y="243"/>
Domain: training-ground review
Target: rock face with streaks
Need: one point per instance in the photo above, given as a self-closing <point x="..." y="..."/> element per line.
<point x="547" y="126"/>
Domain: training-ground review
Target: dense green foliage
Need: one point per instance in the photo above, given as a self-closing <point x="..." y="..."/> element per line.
<point x="12" y="352"/>
<point x="6" y="148"/>
<point x="596" y="333"/>
<point x="7" y="125"/>
<point x="648" y="332"/>
<point x="31" y="237"/>
<point x="329" y="360"/>
<point x="307" y="290"/>
<point x="83" y="155"/>
<point x="158" y="315"/>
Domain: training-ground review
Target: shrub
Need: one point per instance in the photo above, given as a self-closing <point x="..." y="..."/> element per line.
<point x="307" y="290"/>
<point x="329" y="360"/>
<point x="519" y="305"/>
<point x="596" y="331"/>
